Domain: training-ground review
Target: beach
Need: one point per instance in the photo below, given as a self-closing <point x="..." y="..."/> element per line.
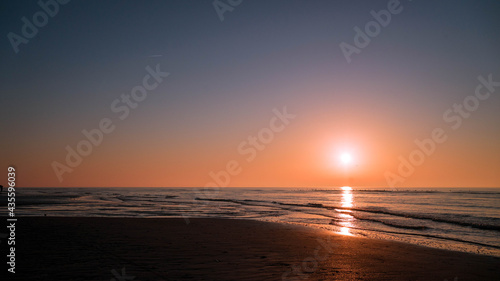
<point x="470" y="223"/>
<point x="250" y="140"/>
<point x="97" y="248"/>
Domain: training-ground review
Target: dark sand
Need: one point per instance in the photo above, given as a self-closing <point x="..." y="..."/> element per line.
<point x="219" y="249"/>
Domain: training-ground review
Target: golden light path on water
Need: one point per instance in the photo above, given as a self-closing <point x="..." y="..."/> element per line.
<point x="347" y="219"/>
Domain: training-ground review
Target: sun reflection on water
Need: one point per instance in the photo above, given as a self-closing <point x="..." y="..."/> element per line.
<point x="347" y="219"/>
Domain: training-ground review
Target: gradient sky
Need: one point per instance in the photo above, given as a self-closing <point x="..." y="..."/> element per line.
<point x="226" y="77"/>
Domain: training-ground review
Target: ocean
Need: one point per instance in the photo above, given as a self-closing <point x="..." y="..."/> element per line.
<point x="465" y="220"/>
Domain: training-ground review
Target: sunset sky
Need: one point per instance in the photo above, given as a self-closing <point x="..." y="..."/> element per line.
<point x="226" y="78"/>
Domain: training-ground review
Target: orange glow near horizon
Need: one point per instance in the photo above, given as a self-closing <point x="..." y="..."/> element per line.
<point x="302" y="155"/>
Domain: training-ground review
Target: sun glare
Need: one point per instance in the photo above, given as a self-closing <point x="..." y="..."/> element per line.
<point x="346" y="158"/>
<point x="346" y="188"/>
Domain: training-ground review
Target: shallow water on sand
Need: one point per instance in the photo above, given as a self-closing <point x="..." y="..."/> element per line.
<point x="457" y="219"/>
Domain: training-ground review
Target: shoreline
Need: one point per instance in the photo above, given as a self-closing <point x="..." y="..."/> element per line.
<point x="96" y="248"/>
<point x="321" y="227"/>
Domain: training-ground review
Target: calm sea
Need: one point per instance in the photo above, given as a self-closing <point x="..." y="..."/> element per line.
<point x="458" y="219"/>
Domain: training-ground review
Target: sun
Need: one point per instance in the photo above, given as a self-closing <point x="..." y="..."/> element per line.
<point x="346" y="158"/>
<point x="343" y="157"/>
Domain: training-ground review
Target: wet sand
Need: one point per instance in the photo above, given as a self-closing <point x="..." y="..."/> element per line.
<point x="141" y="249"/>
